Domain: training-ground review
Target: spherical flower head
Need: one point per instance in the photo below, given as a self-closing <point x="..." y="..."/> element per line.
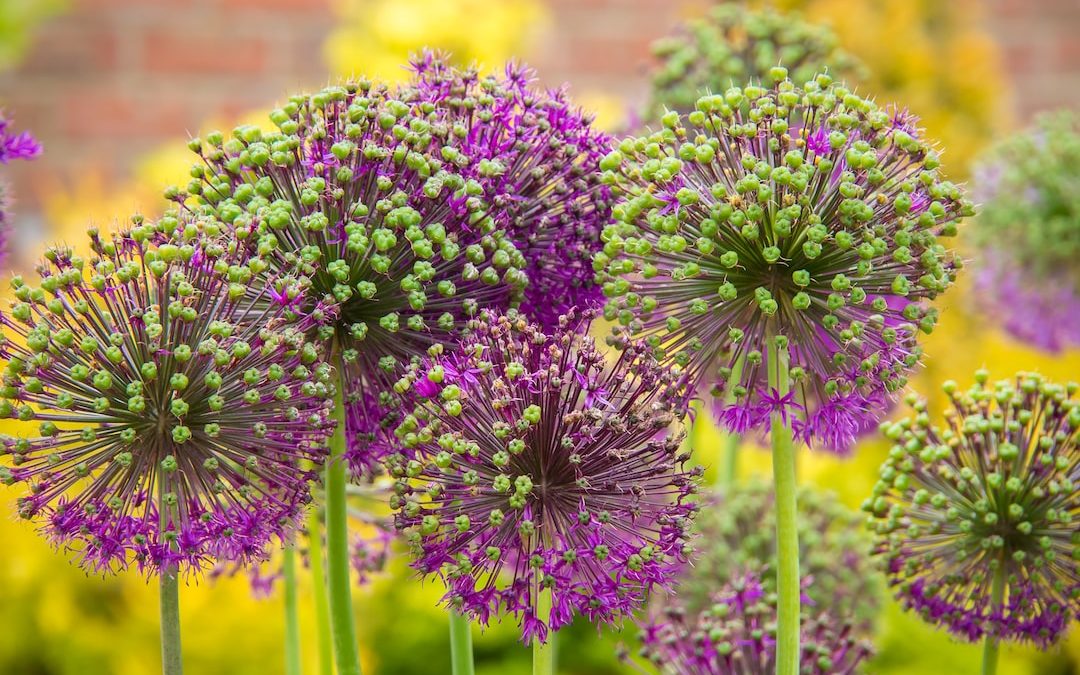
<point x="172" y="421"/>
<point x="801" y="219"/>
<point x="539" y="161"/>
<point x="736" y="635"/>
<point x="988" y="499"/>
<point x="736" y="531"/>
<point x="544" y="468"/>
<point x="733" y="44"/>
<point x="364" y="196"/>
<point x="1028" y="232"/>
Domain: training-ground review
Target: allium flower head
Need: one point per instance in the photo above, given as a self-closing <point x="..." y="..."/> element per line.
<point x="546" y="468"/>
<point x="736" y="635"/>
<point x="172" y="421"/>
<point x="805" y="213"/>
<point x="737" y="531"/>
<point x="540" y="170"/>
<point x="366" y="198"/>
<point x="1028" y="232"/>
<point x="993" y="492"/>
<point x="733" y="44"/>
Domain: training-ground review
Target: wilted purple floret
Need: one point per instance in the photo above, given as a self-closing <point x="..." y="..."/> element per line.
<point x="991" y="497"/>
<point x="550" y="469"/>
<point x="802" y="218"/>
<point x="737" y="636"/>
<point x="539" y="162"/>
<point x="173" y="421"/>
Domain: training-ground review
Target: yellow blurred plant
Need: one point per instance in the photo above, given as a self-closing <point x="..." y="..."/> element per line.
<point x="375" y="37"/>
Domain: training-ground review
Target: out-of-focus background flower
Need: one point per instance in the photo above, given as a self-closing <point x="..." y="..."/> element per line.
<point x="113" y="88"/>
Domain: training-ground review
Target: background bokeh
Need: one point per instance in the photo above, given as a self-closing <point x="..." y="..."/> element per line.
<point x="114" y="87"/>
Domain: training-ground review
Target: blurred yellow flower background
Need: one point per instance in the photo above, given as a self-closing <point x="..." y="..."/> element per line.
<point x="57" y="620"/>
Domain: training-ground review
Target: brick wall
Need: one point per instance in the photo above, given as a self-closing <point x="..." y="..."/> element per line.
<point x="109" y="80"/>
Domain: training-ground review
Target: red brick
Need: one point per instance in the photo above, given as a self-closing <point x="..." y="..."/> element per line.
<point x="1068" y="52"/>
<point x="72" y="48"/>
<point x="313" y="6"/>
<point x="90" y="114"/>
<point x="171" y="52"/>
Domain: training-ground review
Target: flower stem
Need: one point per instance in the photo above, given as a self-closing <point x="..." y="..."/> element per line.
<point x="727" y="477"/>
<point x="461" y="653"/>
<point x="171" y="661"/>
<point x="787" y="536"/>
<point x="322" y="600"/>
<point x="544" y="652"/>
<point x="292" y="619"/>
<point x="991" y="642"/>
<point x="339" y="583"/>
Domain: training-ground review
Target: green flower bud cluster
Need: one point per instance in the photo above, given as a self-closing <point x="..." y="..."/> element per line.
<point x="733" y="44"/>
<point x="976" y="520"/>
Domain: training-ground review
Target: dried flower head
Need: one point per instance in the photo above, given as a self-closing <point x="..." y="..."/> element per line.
<point x="808" y="214"/>
<point x="733" y="44"/>
<point x="365" y="197"/>
<point x="172" y="421"/>
<point x="736" y="635"/>
<point x="737" y="531"/>
<point x="539" y="168"/>
<point x="1028" y="232"/>
<point x="535" y="465"/>
<point x="977" y="521"/>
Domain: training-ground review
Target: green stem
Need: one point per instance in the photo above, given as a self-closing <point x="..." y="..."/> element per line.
<point x="339" y="581"/>
<point x="544" y="652"/>
<point x="728" y="476"/>
<point x="991" y="643"/>
<point x="461" y="653"/>
<point x="322" y="600"/>
<point x="292" y="618"/>
<point x="171" y="661"/>
<point x="787" y="536"/>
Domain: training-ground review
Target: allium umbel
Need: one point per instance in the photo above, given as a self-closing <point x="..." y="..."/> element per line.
<point x="978" y="520"/>
<point x="173" y="421"/>
<point x="733" y="44"/>
<point x="805" y="213"/>
<point x="736" y="635"/>
<point x="366" y="198"/>
<point x="539" y="466"/>
<point x="540" y="173"/>
<point x="736" y="532"/>
<point x="1028" y="232"/>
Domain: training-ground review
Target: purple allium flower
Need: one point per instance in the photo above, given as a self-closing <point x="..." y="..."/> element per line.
<point x="736" y="635"/>
<point x="539" y="158"/>
<point x="991" y="497"/>
<point x="781" y="212"/>
<point x="366" y="198"/>
<point x="16" y="146"/>
<point x="1028" y="233"/>
<point x="515" y="484"/>
<point x="736" y="530"/>
<point x="172" y="422"/>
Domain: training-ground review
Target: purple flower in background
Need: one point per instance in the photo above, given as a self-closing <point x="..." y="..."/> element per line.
<point x="12" y="146"/>
<point x="16" y="146"/>
<point x="806" y="215"/>
<point x="1028" y="233"/>
<point x="976" y="520"/>
<point x="537" y="157"/>
<point x="526" y="482"/>
<point x="172" y="425"/>
<point x="736" y="635"/>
